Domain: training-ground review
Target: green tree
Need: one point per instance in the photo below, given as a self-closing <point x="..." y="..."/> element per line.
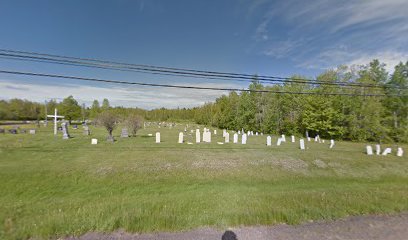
<point x="70" y="108"/>
<point x="95" y="109"/>
<point x="105" y="104"/>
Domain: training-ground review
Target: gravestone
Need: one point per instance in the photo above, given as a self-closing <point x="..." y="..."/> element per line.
<point x="331" y="143"/>
<point x="13" y="131"/>
<point x="256" y="133"/>
<point x="180" y="139"/>
<point x="227" y="137"/>
<point x="65" y="134"/>
<point x="386" y="151"/>
<point x="278" y="143"/>
<point x="378" y="149"/>
<point x="369" y="150"/>
<point x="293" y="138"/>
<point x="400" y="152"/>
<point x="157" y="137"/>
<point x="215" y="132"/>
<point x="75" y="126"/>
<point x="244" y="139"/>
<point x="302" y="144"/>
<point x="32" y="131"/>
<point x="268" y="141"/>
<point x="316" y="138"/>
<point x="87" y="132"/>
<point x="261" y="134"/>
<point x="283" y="138"/>
<point x="94" y="141"/>
<point x="207" y="137"/>
<point x="235" y="138"/>
<point x="308" y="139"/>
<point x="239" y="132"/>
<point x="2" y="130"/>
<point x="124" y="133"/>
<point x="198" y="137"/>
<point x="223" y="132"/>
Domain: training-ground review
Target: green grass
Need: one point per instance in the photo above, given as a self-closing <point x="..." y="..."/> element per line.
<point x="50" y="187"/>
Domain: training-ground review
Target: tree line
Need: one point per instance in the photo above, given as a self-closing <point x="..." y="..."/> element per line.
<point x="355" y="116"/>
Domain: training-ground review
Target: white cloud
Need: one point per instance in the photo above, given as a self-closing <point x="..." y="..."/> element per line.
<point x="140" y="96"/>
<point x="336" y="32"/>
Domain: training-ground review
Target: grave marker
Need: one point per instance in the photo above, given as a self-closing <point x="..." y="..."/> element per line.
<point x="65" y="134"/>
<point x="378" y="149"/>
<point x="124" y="133"/>
<point x="293" y="138"/>
<point x="386" y="151"/>
<point x="268" y="141"/>
<point x="94" y="141"/>
<point x="226" y="137"/>
<point x="244" y="139"/>
<point x="157" y="137"/>
<point x="55" y="116"/>
<point x="400" y="152"/>
<point x="235" y="138"/>
<point x="369" y="150"/>
<point x="198" y="137"/>
<point x="331" y="143"/>
<point x="278" y="143"/>
<point x="32" y="131"/>
<point x="180" y="139"/>
<point x="302" y="144"/>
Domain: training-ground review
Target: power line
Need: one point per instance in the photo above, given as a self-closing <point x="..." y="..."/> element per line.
<point x="184" y="87"/>
<point x="89" y="62"/>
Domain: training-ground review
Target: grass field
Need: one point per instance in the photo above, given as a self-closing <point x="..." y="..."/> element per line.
<point x="50" y="187"/>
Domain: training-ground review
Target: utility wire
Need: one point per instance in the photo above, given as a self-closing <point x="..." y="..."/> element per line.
<point x="89" y="62"/>
<point x="184" y="87"/>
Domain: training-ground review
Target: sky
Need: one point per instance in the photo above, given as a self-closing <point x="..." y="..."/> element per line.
<point x="265" y="37"/>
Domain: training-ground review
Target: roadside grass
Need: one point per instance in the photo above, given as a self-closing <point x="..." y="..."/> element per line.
<point x="50" y="187"/>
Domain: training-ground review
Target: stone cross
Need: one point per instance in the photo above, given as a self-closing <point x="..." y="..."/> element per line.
<point x="226" y="137"/>
<point x="244" y="139"/>
<point x="302" y="144"/>
<point x="369" y="150"/>
<point x="268" y="141"/>
<point x="180" y="139"/>
<point x="235" y="138"/>
<point x="55" y="116"/>
<point x="157" y="137"/>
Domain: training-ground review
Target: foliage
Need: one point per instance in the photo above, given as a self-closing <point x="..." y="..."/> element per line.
<point x="108" y="120"/>
<point x="70" y="108"/>
<point x="134" y="123"/>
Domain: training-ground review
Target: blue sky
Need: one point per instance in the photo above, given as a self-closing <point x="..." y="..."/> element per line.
<point x="277" y="38"/>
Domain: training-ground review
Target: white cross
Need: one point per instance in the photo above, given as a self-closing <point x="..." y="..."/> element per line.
<point x="55" y="116"/>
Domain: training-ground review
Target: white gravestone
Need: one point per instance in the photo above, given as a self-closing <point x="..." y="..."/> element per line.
<point x="239" y="132"/>
<point x="244" y="139"/>
<point x="308" y="139"/>
<point x="94" y="141"/>
<point x="268" y="141"/>
<point x="400" y="152"/>
<point x="302" y="144"/>
<point x="124" y="133"/>
<point x="157" y="137"/>
<point x="235" y="138"/>
<point x="278" y="143"/>
<point x="293" y="138"/>
<point x="226" y="137"/>
<point x="369" y="150"/>
<point x="198" y="137"/>
<point x="224" y="132"/>
<point x="316" y="138"/>
<point x="331" y="143"/>
<point x="386" y="151"/>
<point x="283" y="138"/>
<point x="32" y="131"/>
<point x="180" y="139"/>
<point x="378" y="149"/>
<point x="256" y="133"/>
<point x="207" y="137"/>
<point x="215" y="132"/>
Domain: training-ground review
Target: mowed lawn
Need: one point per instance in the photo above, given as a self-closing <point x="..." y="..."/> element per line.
<point x="50" y="187"/>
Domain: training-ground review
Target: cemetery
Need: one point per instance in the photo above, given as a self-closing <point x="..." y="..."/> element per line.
<point x="180" y="176"/>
